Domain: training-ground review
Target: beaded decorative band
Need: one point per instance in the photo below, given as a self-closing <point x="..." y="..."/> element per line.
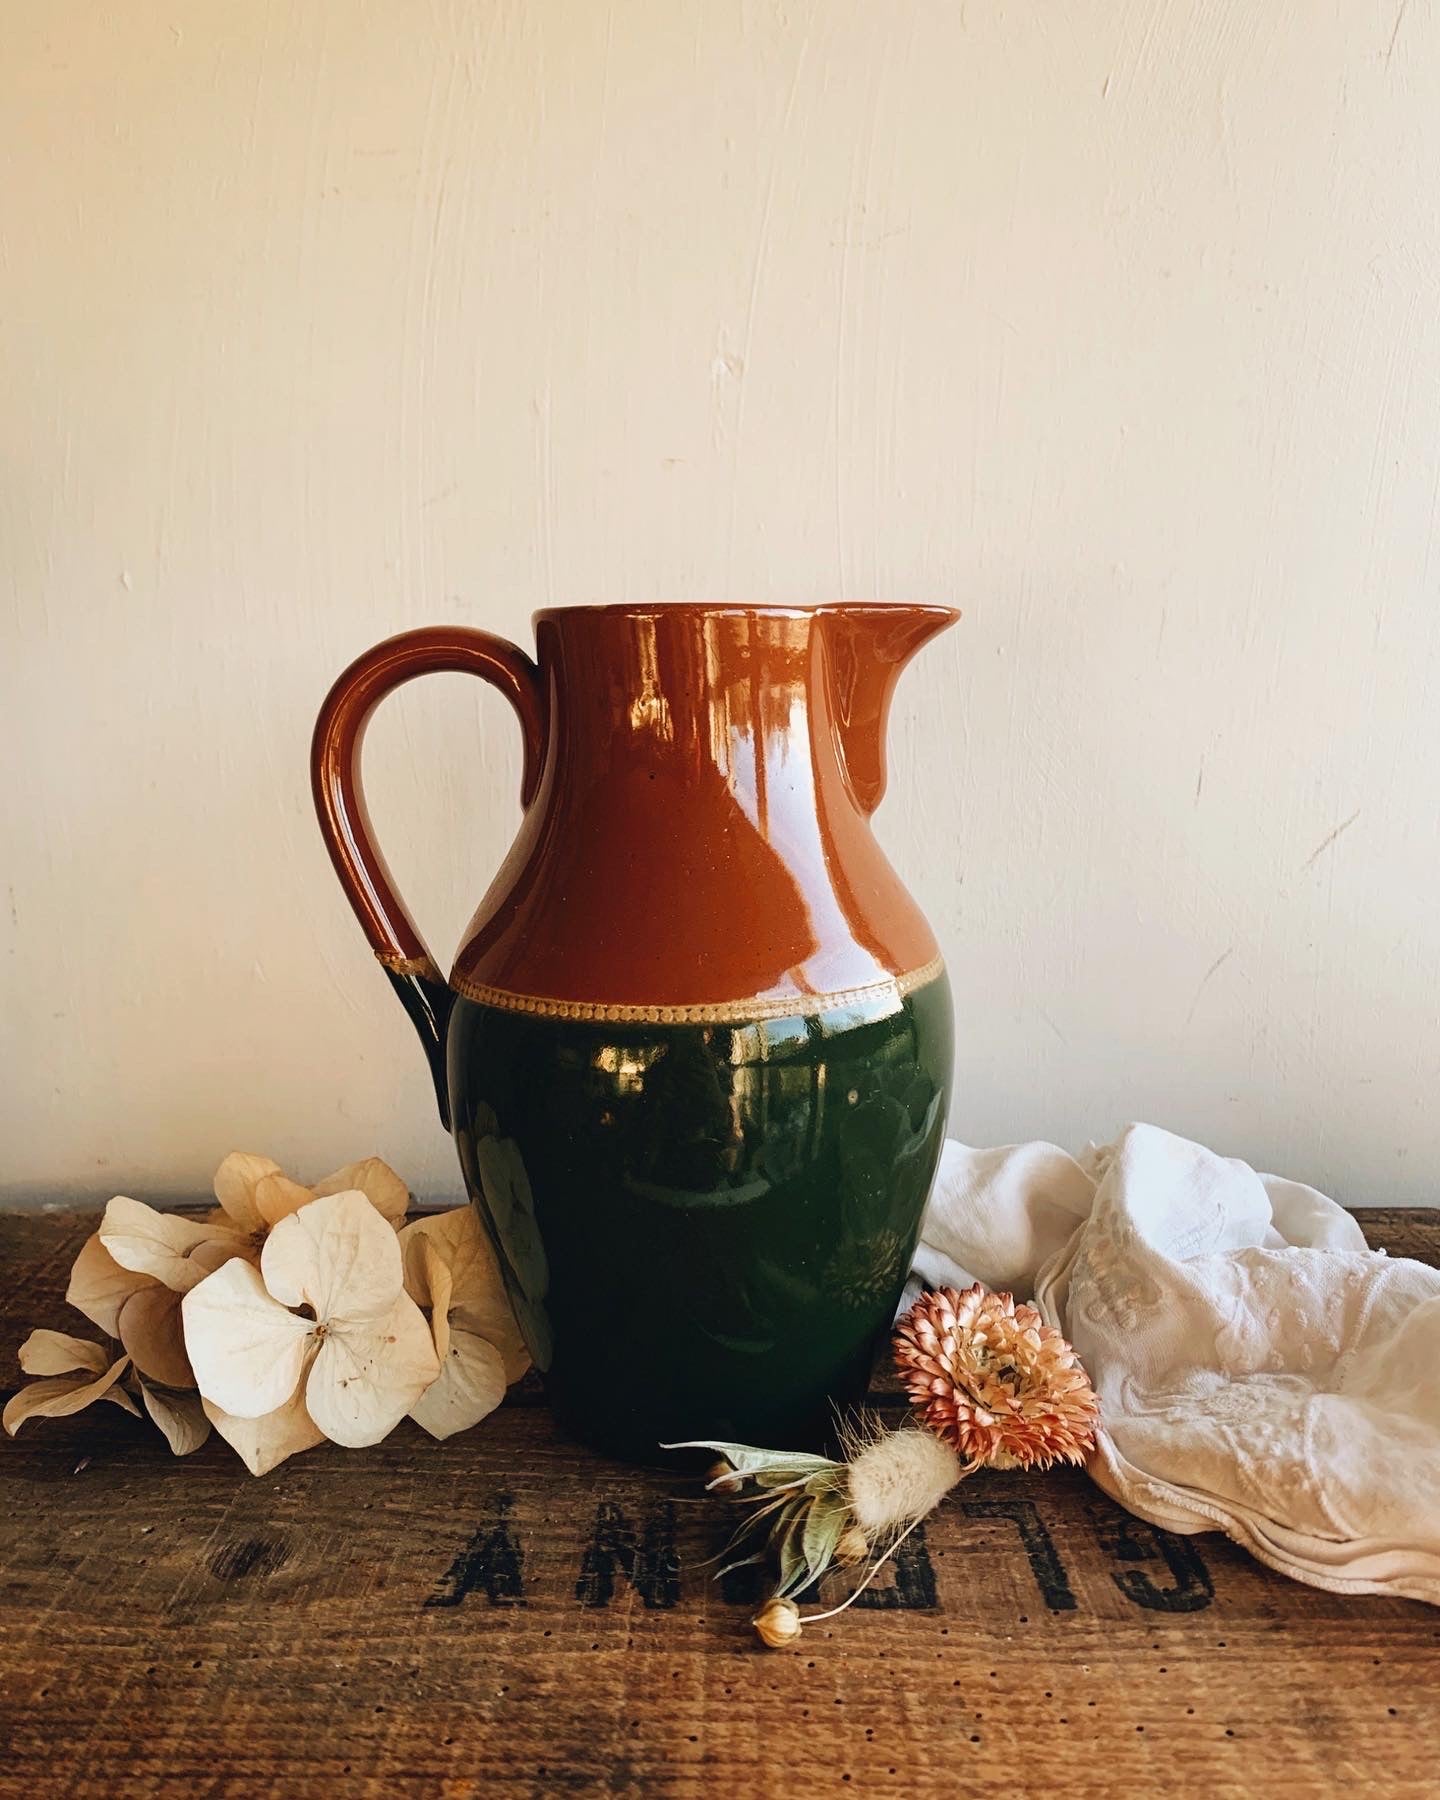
<point x="724" y="1012"/>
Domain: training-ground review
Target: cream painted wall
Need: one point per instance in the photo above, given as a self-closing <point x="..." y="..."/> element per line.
<point x="1118" y="324"/>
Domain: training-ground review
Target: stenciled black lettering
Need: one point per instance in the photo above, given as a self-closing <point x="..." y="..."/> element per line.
<point x="1129" y="1539"/>
<point x="1039" y="1547"/>
<point x="648" y="1559"/>
<point x="491" y="1561"/>
<point x="913" y="1589"/>
<point x="910" y="1588"/>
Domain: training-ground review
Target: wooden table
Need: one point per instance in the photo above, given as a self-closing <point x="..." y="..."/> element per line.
<point x="506" y="1614"/>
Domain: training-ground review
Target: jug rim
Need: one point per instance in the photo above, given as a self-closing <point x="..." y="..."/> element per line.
<point x="803" y="609"/>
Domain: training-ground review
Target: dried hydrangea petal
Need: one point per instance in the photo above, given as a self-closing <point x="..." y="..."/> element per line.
<point x="151" y="1330"/>
<point x="248" y="1352"/>
<point x="477" y="1300"/>
<point x="377" y="1181"/>
<point x="180" y="1416"/>
<point x="430" y="1288"/>
<point x="470" y="1385"/>
<point x="368" y="1373"/>
<point x="277" y="1196"/>
<point x="157" y="1244"/>
<point x="216" y="1251"/>
<point x="337" y="1256"/>
<point x="263" y="1444"/>
<point x="57" y="1353"/>
<point x="99" y="1287"/>
<point x="235" y="1183"/>
<point x="57" y="1396"/>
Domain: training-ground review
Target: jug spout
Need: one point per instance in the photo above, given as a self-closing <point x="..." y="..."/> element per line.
<point x="866" y="648"/>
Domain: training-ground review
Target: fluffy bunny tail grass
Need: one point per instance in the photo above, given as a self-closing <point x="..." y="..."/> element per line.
<point x="900" y="1478"/>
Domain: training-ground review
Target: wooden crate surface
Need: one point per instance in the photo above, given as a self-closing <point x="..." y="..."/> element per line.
<point x="505" y="1614"/>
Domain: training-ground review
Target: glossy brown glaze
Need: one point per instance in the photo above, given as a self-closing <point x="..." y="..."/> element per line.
<point x="697" y="793"/>
<point x="335" y="766"/>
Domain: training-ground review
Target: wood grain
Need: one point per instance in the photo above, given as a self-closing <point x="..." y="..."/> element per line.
<point x="504" y="1614"/>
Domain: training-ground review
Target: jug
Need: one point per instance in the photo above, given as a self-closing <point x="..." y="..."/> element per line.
<point x="695" y="1048"/>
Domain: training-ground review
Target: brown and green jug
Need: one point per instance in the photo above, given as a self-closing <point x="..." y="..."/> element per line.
<point x="695" y="1048"/>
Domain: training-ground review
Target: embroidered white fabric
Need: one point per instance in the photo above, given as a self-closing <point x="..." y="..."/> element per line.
<point x="1260" y="1371"/>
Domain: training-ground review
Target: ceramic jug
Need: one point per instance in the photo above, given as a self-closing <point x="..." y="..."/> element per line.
<point x="695" y="1048"/>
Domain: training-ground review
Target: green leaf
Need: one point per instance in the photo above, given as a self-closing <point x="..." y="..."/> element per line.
<point x="827" y="1519"/>
<point x="794" y="1571"/>
<point x="740" y="1562"/>
<point x="788" y="1474"/>
<point x="750" y="1459"/>
<point x="739" y="1456"/>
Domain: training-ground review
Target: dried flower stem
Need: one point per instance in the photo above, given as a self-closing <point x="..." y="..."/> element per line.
<point x="870" y="1574"/>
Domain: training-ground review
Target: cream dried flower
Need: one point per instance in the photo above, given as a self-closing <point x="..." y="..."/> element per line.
<point x="75" y="1373"/>
<point x="72" y="1375"/>
<point x="993" y="1380"/>
<point x="130" y="1277"/>
<point x="349" y="1367"/>
<point x="451" y="1273"/>
<point x="257" y="1194"/>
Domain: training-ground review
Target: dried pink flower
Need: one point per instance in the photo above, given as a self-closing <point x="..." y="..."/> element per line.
<point x="991" y="1379"/>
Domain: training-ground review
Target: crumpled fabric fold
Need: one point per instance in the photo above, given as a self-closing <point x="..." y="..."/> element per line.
<point x="1261" y="1372"/>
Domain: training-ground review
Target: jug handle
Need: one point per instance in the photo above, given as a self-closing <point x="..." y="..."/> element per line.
<point x="345" y="821"/>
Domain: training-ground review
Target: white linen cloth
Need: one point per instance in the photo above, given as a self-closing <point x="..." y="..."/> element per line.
<point x="1260" y="1371"/>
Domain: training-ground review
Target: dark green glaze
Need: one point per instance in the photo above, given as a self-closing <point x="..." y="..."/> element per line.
<point x="428" y="1002"/>
<point x="705" y="1229"/>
